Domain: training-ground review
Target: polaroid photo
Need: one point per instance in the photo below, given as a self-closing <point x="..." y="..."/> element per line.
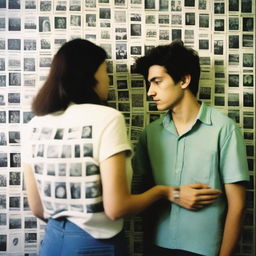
<point x="31" y="24"/>
<point x="75" y="21"/>
<point x="45" y="6"/>
<point x="30" y="5"/>
<point x="90" y="3"/>
<point x="137" y="99"/>
<point x="14" y="44"/>
<point x="30" y="44"/>
<point x="233" y="23"/>
<point x="60" y="23"/>
<point x="45" y="24"/>
<point x="75" y="5"/>
<point x="60" y="6"/>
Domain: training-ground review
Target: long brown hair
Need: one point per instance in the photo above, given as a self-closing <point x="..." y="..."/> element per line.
<point x="71" y="77"/>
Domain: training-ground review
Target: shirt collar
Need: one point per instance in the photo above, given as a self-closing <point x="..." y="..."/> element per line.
<point x="204" y="116"/>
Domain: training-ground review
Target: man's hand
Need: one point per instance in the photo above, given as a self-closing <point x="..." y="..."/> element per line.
<point x="194" y="196"/>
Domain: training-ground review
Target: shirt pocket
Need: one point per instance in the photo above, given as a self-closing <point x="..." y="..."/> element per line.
<point x="201" y="168"/>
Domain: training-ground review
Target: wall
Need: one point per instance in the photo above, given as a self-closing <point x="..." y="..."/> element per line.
<point x="32" y="30"/>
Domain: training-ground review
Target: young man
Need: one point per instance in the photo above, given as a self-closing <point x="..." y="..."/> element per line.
<point x="192" y="144"/>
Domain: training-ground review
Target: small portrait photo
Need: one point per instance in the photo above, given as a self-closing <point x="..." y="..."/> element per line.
<point x="105" y="13"/>
<point x="233" y="5"/>
<point x="88" y="149"/>
<point x="93" y="189"/>
<point x="75" y="20"/>
<point x="62" y="167"/>
<point x="150" y="4"/>
<point x="14" y="24"/>
<point x="90" y="20"/>
<point x="219" y="25"/>
<point x="246" y="6"/>
<point x="233" y="80"/>
<point x="248" y="60"/>
<point x="15" y="159"/>
<point x="204" y="20"/>
<point x="14" y="137"/>
<point x="190" y="18"/>
<point x="248" y="80"/>
<point x="75" y="169"/>
<point x="60" y="22"/>
<point x="92" y="3"/>
<point x="136" y="50"/>
<point x="14" y="179"/>
<point x="176" y="5"/>
<point x="92" y="169"/>
<point x="29" y="64"/>
<point x="14" y="116"/>
<point x="233" y="23"/>
<point x="14" y="79"/>
<point x="45" y="44"/>
<point x="29" y="45"/>
<point x="14" y="4"/>
<point x="75" y="190"/>
<point x="15" y="222"/>
<point x="121" y="51"/>
<point x="14" y="44"/>
<point x="203" y="44"/>
<point x="233" y="41"/>
<point x="219" y="8"/>
<point x="136" y="29"/>
<point x="248" y="24"/>
<point x="248" y="99"/>
<point x="60" y="190"/>
<point x="218" y="47"/>
<point x="50" y="168"/>
<point x="44" y="24"/>
<point x="14" y="203"/>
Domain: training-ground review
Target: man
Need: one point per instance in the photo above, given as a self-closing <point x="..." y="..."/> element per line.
<point x="191" y="144"/>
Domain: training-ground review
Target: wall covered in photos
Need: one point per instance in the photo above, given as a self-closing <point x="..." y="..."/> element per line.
<point x="223" y="32"/>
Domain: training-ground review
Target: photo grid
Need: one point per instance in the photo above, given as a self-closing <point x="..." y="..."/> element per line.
<point x="31" y="31"/>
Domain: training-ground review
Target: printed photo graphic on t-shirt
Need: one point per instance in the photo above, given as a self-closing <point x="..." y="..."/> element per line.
<point x="87" y="132"/>
<point x="75" y="190"/>
<point x="93" y="208"/>
<point x="93" y="189"/>
<point x="60" y="190"/>
<point x="88" y="149"/>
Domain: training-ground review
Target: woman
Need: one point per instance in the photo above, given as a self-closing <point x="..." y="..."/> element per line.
<point x="76" y="158"/>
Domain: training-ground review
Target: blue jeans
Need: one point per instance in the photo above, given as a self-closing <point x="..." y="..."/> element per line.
<point x="63" y="238"/>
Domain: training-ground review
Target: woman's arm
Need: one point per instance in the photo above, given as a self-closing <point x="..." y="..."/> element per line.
<point x="118" y="202"/>
<point x="34" y="199"/>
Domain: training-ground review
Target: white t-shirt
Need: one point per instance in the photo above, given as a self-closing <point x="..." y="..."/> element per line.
<point x="65" y="150"/>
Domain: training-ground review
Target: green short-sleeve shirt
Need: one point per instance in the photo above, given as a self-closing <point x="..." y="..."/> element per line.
<point x="212" y="152"/>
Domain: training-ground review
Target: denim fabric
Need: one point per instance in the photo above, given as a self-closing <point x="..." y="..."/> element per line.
<point x="63" y="238"/>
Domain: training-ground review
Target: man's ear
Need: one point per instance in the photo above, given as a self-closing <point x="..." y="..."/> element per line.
<point x="185" y="81"/>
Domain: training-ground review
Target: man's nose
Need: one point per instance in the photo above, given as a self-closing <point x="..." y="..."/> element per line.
<point x="151" y="91"/>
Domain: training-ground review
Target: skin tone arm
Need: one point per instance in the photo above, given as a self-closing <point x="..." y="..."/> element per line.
<point x="236" y="203"/>
<point x="34" y="200"/>
<point x="118" y="202"/>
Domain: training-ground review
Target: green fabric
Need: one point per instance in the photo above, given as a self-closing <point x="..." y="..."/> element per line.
<point x="212" y="152"/>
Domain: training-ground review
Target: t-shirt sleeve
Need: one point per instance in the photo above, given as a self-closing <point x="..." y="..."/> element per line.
<point x="233" y="161"/>
<point x="114" y="138"/>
